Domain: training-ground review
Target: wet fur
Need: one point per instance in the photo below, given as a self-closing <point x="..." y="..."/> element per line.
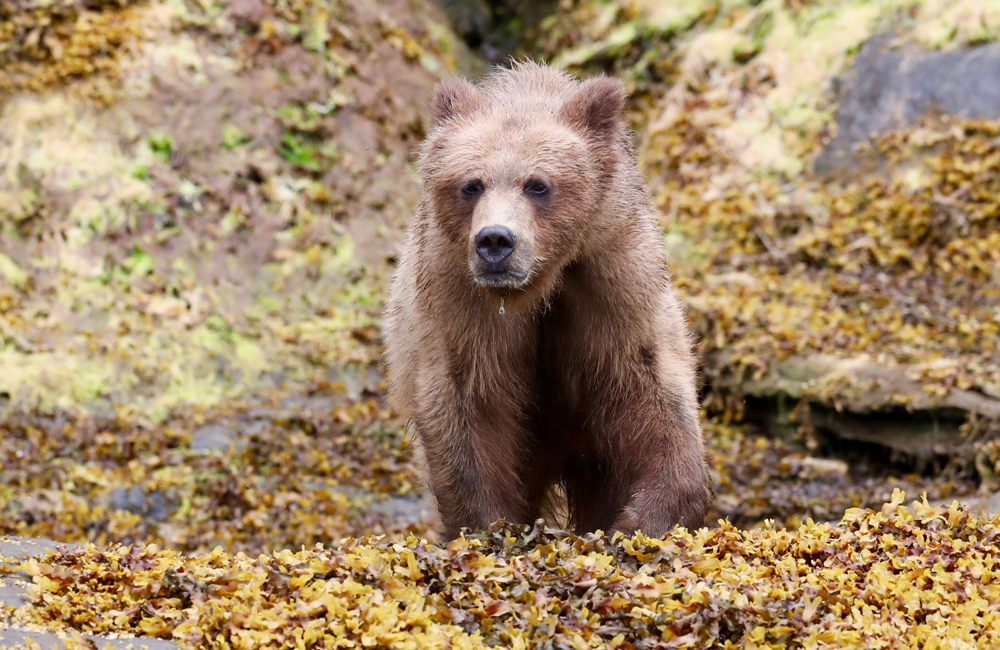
<point x="588" y="380"/>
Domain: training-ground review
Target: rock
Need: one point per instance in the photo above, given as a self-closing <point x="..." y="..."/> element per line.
<point x="12" y="636"/>
<point x="19" y="547"/>
<point x="921" y="436"/>
<point x="988" y="504"/>
<point x="890" y="87"/>
<point x="399" y="509"/>
<point x="862" y="385"/>
<point x="825" y="467"/>
<point x="859" y="399"/>
<point x="151" y="506"/>
<point x="493" y="27"/>
<point x="211" y="437"/>
<point x="402" y="509"/>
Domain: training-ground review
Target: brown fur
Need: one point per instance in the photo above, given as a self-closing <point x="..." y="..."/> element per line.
<point x="587" y="381"/>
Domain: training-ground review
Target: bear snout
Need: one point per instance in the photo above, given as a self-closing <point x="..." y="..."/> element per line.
<point x="494" y="244"/>
<point x="497" y="258"/>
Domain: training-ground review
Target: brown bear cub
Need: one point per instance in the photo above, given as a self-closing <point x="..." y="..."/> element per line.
<point x="533" y="337"/>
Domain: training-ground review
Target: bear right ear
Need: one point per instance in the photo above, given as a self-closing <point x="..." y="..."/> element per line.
<point x="452" y="98"/>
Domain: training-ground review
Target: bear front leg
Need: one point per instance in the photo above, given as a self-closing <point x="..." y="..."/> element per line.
<point x="474" y="459"/>
<point x="668" y="483"/>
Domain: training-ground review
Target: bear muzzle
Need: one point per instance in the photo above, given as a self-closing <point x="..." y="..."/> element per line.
<point x="495" y="263"/>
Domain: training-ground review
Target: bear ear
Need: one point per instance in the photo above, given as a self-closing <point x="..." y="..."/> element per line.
<point x="453" y="97"/>
<point x="597" y="105"/>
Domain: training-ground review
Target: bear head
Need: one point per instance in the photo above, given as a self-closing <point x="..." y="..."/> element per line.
<point x="515" y="171"/>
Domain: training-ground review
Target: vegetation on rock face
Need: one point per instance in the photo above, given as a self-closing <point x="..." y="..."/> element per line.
<point x="220" y="222"/>
<point x="900" y="269"/>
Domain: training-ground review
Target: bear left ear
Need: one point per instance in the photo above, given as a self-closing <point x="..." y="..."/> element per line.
<point x="597" y="105"/>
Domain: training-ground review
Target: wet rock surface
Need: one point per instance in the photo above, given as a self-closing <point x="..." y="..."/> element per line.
<point x="211" y="437"/>
<point x="150" y="505"/>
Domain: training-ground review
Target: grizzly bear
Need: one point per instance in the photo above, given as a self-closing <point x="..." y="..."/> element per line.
<point x="533" y="337"/>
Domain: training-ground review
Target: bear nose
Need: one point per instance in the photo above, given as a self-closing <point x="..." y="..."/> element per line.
<point x="495" y="243"/>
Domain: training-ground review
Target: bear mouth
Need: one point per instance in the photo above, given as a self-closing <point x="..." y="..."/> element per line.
<point x="501" y="279"/>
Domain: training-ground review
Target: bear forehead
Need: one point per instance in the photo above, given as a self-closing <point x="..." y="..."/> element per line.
<point x="507" y="140"/>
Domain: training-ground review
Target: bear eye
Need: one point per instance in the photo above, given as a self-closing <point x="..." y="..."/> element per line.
<point x="472" y="189"/>
<point x="536" y="187"/>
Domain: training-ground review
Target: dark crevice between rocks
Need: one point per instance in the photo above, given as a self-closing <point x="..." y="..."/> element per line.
<point x="497" y="29"/>
<point x="890" y="442"/>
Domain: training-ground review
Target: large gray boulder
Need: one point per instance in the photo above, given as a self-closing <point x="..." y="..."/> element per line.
<point x="890" y="86"/>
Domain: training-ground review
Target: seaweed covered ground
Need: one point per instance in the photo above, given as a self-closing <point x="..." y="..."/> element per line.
<point x="200" y="204"/>
<point x="303" y="475"/>
<point x="900" y="577"/>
